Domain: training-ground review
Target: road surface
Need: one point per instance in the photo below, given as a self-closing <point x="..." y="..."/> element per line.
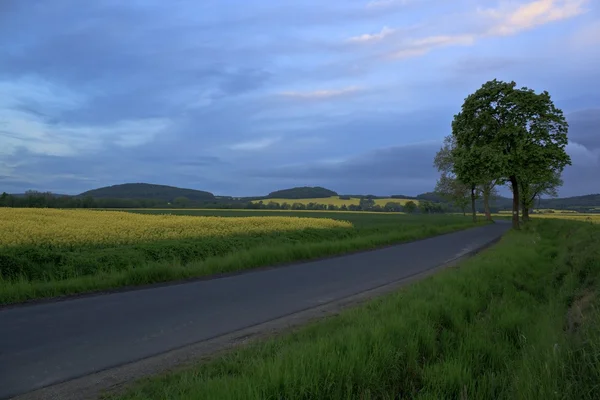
<point x="48" y="343"/>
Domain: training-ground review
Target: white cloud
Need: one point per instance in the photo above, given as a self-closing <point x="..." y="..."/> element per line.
<point x="422" y="46"/>
<point x="582" y="156"/>
<point x="508" y="18"/>
<point x="512" y="18"/>
<point x="366" y="38"/>
<point x="33" y="133"/>
<point x="258" y="144"/>
<point x="322" y="94"/>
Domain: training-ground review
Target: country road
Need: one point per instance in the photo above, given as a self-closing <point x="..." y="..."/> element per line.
<point x="47" y="343"/>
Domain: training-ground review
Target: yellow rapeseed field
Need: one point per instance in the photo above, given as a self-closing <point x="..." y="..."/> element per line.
<point x="64" y="227"/>
<point x="336" y="201"/>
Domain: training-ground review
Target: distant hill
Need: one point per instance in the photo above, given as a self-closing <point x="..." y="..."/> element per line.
<point x="147" y="191"/>
<point x="578" y="203"/>
<point x="587" y="201"/>
<point x="305" y="192"/>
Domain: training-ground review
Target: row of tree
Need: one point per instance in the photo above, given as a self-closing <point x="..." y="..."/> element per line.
<point x="49" y="200"/>
<point x="365" y="204"/>
<point x="503" y="135"/>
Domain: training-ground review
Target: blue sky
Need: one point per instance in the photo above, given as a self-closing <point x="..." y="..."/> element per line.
<point x="247" y="97"/>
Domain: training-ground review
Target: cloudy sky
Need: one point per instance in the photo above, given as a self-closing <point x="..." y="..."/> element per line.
<point x="246" y="97"/>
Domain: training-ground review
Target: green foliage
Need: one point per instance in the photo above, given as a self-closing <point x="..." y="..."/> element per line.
<point x="511" y="135"/>
<point x="536" y="186"/>
<point x="304" y="192"/>
<point x="498" y="327"/>
<point x="410" y="207"/>
<point x="366" y="204"/>
<point x="391" y="206"/>
<point x="454" y="191"/>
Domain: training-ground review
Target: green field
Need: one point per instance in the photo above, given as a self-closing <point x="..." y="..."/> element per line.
<point x="40" y="270"/>
<point x="518" y="321"/>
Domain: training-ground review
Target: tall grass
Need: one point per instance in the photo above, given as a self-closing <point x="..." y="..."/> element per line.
<point x="46" y="271"/>
<point x="502" y="326"/>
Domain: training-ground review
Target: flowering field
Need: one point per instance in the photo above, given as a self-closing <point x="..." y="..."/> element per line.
<point x="37" y="226"/>
<point x="571" y="216"/>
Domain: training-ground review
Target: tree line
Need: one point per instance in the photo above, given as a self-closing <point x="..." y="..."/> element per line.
<point x="49" y="200"/>
<point x="365" y="204"/>
<point x="46" y="199"/>
<point x="503" y="135"/>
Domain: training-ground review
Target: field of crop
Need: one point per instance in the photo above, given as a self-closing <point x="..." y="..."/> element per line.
<point x="48" y="252"/>
<point x="518" y="321"/>
<point x="574" y="216"/>
<point x="571" y="216"/>
<point x="51" y="227"/>
<point x="336" y="201"/>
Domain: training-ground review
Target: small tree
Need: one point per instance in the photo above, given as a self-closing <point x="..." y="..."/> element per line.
<point x="453" y="191"/>
<point x="410" y="207"/>
<point x="535" y="187"/>
<point x="391" y="206"/>
<point x="4" y="199"/>
<point x="449" y="186"/>
<point x="366" y="204"/>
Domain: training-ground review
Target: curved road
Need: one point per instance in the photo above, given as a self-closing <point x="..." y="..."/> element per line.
<point x="47" y="343"/>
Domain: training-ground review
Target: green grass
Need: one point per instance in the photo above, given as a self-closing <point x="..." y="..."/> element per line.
<point x="500" y="326"/>
<point x="32" y="272"/>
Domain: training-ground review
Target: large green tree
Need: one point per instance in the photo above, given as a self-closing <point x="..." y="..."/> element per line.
<point x="507" y="134"/>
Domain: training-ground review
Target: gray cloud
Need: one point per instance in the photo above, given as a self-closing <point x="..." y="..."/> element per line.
<point x="584" y="127"/>
<point x="187" y="93"/>
<point x="400" y="169"/>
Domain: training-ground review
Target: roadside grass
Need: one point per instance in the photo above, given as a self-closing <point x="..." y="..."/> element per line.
<point x="518" y="321"/>
<point x="47" y="271"/>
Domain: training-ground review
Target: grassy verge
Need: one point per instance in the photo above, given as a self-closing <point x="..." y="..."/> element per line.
<point x="33" y="272"/>
<point x="519" y="321"/>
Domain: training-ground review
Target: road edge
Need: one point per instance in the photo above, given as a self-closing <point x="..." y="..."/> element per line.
<point x="118" y="379"/>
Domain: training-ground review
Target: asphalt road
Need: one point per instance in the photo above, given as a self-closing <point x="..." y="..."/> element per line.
<point x="48" y="343"/>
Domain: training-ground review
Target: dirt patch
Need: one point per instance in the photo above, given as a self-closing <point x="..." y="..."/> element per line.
<point x="577" y="312"/>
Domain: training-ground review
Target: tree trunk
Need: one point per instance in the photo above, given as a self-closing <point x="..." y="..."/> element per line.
<point x="515" y="205"/>
<point x="473" y="210"/>
<point x="486" y="205"/>
<point x="525" y="208"/>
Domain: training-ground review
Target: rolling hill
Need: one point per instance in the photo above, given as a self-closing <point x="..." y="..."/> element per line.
<point x="147" y="191"/>
<point x="305" y="192"/>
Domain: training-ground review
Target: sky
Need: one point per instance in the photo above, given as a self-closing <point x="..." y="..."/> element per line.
<point x="246" y="97"/>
